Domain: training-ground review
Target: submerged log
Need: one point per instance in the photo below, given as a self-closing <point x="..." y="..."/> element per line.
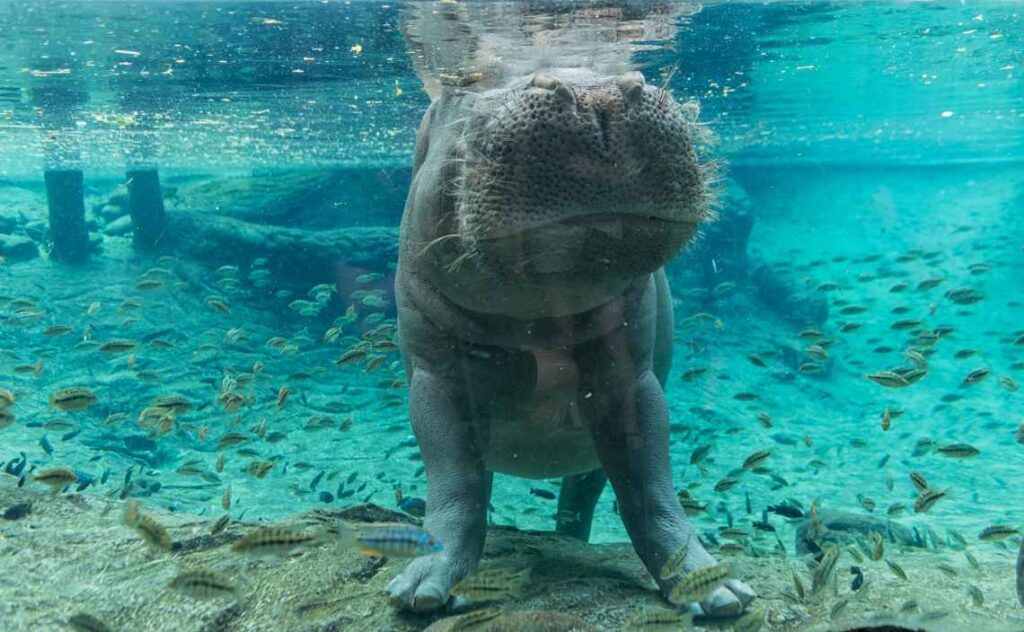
<point x="146" y="206"/>
<point x="66" y="202"/>
<point x="1020" y="574"/>
<point x="212" y="237"/>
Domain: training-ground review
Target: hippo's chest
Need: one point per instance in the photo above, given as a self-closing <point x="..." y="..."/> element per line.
<point x="534" y="418"/>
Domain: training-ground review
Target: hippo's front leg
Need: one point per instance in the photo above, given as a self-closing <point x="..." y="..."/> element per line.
<point x="632" y="438"/>
<point x="457" y="491"/>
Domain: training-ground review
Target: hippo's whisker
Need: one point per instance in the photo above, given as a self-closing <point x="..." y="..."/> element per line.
<point x="438" y="240"/>
<point x="665" y="94"/>
<point x="457" y="264"/>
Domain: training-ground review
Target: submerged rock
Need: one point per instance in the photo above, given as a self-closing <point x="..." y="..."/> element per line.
<point x="18" y="248"/>
<point x="10" y="220"/>
<point x="120" y="226"/>
<point x="844" y="527"/>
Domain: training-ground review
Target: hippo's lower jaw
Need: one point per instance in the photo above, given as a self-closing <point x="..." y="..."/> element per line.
<point x="586" y="249"/>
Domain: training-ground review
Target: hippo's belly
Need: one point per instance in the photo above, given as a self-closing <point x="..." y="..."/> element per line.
<point x="541" y="444"/>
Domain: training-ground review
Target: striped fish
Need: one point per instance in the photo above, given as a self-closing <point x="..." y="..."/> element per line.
<point x="389" y="540"/>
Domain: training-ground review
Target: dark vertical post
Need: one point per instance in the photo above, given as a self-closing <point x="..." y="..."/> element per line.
<point x="64" y="196"/>
<point x="146" y="205"/>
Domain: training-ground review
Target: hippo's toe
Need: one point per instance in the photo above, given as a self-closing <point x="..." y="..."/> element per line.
<point x="423" y="585"/>
<point x="727" y="600"/>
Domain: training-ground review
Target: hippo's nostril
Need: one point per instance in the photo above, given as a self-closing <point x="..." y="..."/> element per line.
<point x="631" y="85"/>
<point x="556" y="85"/>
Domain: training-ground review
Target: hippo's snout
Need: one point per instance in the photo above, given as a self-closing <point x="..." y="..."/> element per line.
<point x="576" y="167"/>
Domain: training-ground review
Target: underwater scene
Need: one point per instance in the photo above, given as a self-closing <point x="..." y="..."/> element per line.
<point x="534" y="316"/>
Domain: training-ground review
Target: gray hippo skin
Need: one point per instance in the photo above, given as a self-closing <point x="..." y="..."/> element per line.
<point x="534" y="318"/>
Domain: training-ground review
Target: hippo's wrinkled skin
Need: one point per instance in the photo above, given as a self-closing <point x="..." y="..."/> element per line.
<point x="534" y="318"/>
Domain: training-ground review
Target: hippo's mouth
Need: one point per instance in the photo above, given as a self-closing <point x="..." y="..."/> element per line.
<point x="592" y="246"/>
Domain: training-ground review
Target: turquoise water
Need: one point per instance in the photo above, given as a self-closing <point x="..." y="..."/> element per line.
<point x="872" y="150"/>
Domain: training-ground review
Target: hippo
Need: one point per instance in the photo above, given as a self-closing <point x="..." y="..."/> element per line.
<point x="534" y="316"/>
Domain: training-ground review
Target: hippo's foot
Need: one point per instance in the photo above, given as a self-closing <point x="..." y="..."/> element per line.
<point x="728" y="600"/>
<point x="424" y="584"/>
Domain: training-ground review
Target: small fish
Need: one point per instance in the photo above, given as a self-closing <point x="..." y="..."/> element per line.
<point x="651" y="619"/>
<point x="259" y="469"/>
<point x="699" y="583"/>
<point x="798" y="586"/>
<point x="120" y="345"/>
<point x="959" y="451"/>
<point x="878" y="546"/>
<point x="858" y="578"/>
<point x="493" y="583"/>
<point x="231" y="439"/>
<point x="964" y="296"/>
<point x="920" y="484"/>
<point x="975" y="376"/>
<point x="816" y="352"/>
<point x="389" y="540"/>
<point x="674" y="564"/>
<point x="977" y="596"/>
<point x="889" y="379"/>
<point x="998" y="532"/>
<point x="897" y="570"/>
<point x="823" y="571"/>
<point x="57" y="478"/>
<point x="203" y="584"/>
<point x="542" y="493"/>
<point x="54" y="331"/>
<point x="948" y="570"/>
<point x="973" y="561"/>
<point x="74" y="399"/>
<point x="691" y="374"/>
<point x="282" y="397"/>
<point x="177" y="404"/>
<point x="691" y="507"/>
<point x="220" y="524"/>
<point x="927" y="500"/>
<point x="275" y="542"/>
<point x="786" y="511"/>
<point x="699" y="453"/>
<point x="733" y="533"/>
<point x="154" y="533"/>
<point x="472" y="620"/>
<point x="756" y="459"/>
<point x="726" y="484"/>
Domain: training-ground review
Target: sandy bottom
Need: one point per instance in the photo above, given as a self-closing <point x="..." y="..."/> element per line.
<point x="70" y="554"/>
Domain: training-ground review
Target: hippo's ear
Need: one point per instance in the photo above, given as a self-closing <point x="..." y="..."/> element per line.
<point x="445" y="49"/>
